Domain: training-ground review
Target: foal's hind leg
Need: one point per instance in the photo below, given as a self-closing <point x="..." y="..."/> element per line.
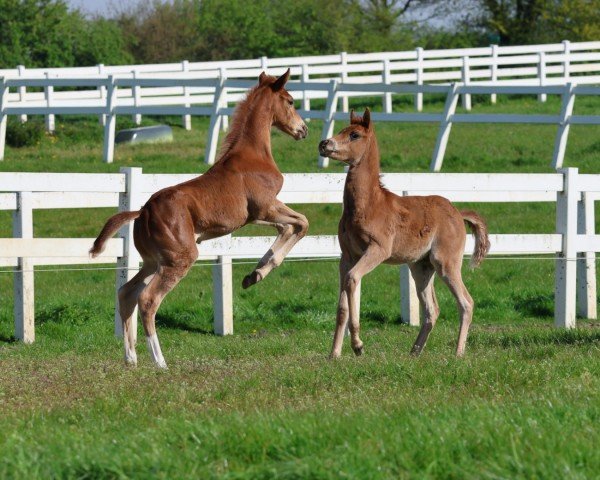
<point x="128" y="295"/>
<point x="452" y="276"/>
<point x="165" y="279"/>
<point x="423" y="274"/>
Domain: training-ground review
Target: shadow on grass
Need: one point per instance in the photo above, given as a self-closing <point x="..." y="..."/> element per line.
<point x="537" y="305"/>
<point x="181" y="320"/>
<point x="7" y="338"/>
<point x="380" y="318"/>
<point x="542" y="337"/>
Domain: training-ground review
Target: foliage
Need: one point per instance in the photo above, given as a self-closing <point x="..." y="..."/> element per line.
<point x="26" y="134"/>
<point x="541" y="21"/>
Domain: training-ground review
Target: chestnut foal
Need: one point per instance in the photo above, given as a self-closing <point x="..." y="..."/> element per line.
<point x="378" y="226"/>
<point x="239" y="189"/>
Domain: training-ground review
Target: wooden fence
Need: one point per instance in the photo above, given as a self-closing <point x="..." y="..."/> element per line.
<point x="574" y="242"/>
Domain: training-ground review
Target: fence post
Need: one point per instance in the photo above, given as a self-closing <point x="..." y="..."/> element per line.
<point x="23" y="279"/>
<point x="223" y="101"/>
<point x="419" y="74"/>
<point x="344" y="77"/>
<point x="562" y="135"/>
<point x="22" y="92"/>
<point x="129" y="263"/>
<point x="445" y="127"/>
<point x="215" y="121"/>
<point x="102" y="90"/>
<point x="3" y="116"/>
<point x="586" y="261"/>
<point x="387" y="79"/>
<point x="542" y="74"/>
<point x="494" y="69"/>
<point x="263" y="64"/>
<point x="466" y="74"/>
<point x="186" y="119"/>
<point x="48" y="93"/>
<point x="137" y="118"/>
<point x="565" y="291"/>
<point x="305" y="99"/>
<point x="409" y="303"/>
<point x="223" y="296"/>
<point x="567" y="61"/>
<point x="328" y="121"/>
<point x="111" y="121"/>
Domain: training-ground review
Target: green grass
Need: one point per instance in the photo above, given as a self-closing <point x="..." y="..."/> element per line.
<point x="265" y="403"/>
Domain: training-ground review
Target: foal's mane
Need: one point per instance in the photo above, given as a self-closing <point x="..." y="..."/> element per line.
<point x="238" y="122"/>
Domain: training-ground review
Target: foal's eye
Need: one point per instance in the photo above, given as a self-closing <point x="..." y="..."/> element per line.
<point x="291" y="103"/>
<point x="354" y="135"/>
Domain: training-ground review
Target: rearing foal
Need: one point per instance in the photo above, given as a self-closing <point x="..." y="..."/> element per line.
<point x="378" y="226"/>
<point x="239" y="189"/>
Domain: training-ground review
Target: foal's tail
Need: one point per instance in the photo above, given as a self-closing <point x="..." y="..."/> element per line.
<point x="479" y="229"/>
<point x="111" y="227"/>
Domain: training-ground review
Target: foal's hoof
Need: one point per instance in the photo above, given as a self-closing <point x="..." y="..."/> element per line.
<point x="251" y="279"/>
<point x="359" y="350"/>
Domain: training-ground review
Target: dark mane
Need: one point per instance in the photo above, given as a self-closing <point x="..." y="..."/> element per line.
<point x="236" y="128"/>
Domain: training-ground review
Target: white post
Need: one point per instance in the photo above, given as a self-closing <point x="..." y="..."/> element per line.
<point x="223" y="296"/>
<point x="567" y="61"/>
<point x="565" y="291"/>
<point x="223" y="100"/>
<point x="102" y="91"/>
<point x="542" y="74"/>
<point x="419" y="74"/>
<point x="186" y="119"/>
<point x="23" y="279"/>
<point x="48" y="93"/>
<point x="586" y="261"/>
<point x="137" y="118"/>
<point x="111" y="121"/>
<point x="22" y="92"/>
<point x="263" y="63"/>
<point x="344" y="63"/>
<point x="215" y="121"/>
<point x="3" y="116"/>
<point x="329" y="122"/>
<point x="445" y="127"/>
<point x="466" y="74"/>
<point x="387" y="79"/>
<point x="566" y="110"/>
<point x="409" y="303"/>
<point x="305" y="99"/>
<point x="129" y="264"/>
<point x="494" y="70"/>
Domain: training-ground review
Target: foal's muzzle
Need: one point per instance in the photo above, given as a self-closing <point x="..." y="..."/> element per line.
<point x="325" y="148"/>
<point x="301" y="132"/>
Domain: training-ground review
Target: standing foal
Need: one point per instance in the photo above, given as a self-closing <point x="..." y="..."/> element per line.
<point x="378" y="226"/>
<point x="241" y="188"/>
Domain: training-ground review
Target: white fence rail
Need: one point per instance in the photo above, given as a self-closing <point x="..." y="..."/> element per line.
<point x="574" y="242"/>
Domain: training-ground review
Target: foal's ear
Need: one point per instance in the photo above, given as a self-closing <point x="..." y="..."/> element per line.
<point x="366" y="120"/>
<point x="281" y="81"/>
<point x="354" y="119"/>
<point x="262" y="77"/>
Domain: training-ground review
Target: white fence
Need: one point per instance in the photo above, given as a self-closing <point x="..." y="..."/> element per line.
<point x="574" y="242"/>
<point x="208" y="88"/>
<point x="215" y="97"/>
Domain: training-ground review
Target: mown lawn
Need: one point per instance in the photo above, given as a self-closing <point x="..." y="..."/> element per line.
<point x="266" y="403"/>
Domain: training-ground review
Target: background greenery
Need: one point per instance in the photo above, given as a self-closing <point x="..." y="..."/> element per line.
<point x="265" y="402"/>
<point x="45" y="33"/>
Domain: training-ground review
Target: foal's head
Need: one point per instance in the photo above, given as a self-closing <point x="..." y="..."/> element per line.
<point x="284" y="114"/>
<point x="350" y="144"/>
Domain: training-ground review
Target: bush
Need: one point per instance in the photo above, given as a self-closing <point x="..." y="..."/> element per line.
<point x="25" y="134"/>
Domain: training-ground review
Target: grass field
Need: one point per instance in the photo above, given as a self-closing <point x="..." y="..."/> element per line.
<point x="266" y="403"/>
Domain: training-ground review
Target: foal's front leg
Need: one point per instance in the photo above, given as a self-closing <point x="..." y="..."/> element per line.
<point x="373" y="256"/>
<point x="292" y="226"/>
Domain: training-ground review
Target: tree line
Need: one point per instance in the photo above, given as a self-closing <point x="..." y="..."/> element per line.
<point x="47" y="33"/>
